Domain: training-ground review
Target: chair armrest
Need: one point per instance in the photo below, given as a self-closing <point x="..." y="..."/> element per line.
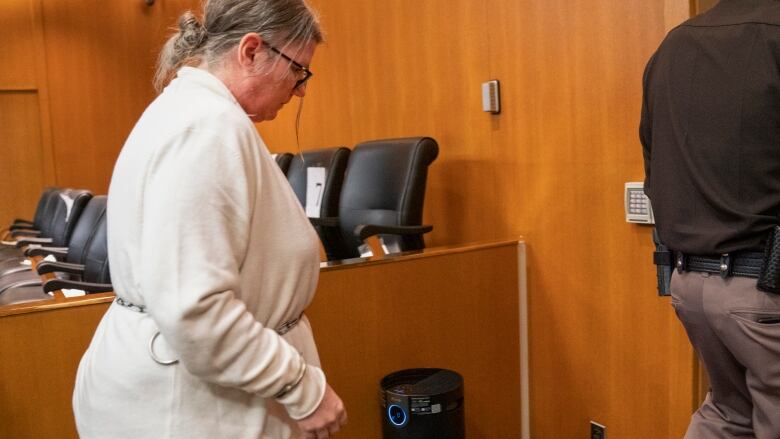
<point x="330" y="221"/>
<point x="44" y="267"/>
<point x="363" y="231"/>
<point x="58" y="284"/>
<point x="21" y="227"/>
<point x="25" y="232"/>
<point x="59" y="252"/>
<point x="19" y="221"/>
<point x="27" y="241"/>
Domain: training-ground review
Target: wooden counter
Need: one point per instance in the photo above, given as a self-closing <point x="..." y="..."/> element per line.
<point x="457" y="308"/>
<point x="460" y="308"/>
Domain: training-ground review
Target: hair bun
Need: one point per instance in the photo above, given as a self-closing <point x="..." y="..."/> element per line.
<point x="191" y="30"/>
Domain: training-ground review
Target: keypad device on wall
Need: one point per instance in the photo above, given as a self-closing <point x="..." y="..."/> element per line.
<point x="637" y="205"/>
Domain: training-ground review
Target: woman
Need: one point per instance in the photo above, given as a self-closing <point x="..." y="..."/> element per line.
<point x="213" y="259"/>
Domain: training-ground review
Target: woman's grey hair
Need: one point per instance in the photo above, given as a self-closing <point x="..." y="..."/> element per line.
<point x="225" y="22"/>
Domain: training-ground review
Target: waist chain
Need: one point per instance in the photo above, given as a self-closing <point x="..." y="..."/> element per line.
<point x="284" y="328"/>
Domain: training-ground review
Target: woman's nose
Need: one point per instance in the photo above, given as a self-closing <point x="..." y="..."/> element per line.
<point x="300" y="91"/>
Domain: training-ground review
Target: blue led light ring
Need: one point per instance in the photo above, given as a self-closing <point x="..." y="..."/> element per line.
<point x="398" y="410"/>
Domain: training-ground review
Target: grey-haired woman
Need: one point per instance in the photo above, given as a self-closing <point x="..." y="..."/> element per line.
<point x="212" y="258"/>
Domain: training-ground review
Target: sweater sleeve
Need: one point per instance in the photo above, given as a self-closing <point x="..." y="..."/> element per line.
<point x="199" y="195"/>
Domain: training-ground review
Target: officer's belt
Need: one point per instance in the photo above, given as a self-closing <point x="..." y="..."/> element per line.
<point x="743" y="264"/>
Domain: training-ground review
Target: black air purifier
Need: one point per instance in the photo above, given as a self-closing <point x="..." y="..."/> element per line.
<point x="422" y="404"/>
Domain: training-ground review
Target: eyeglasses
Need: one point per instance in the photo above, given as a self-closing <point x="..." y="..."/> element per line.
<point x="303" y="73"/>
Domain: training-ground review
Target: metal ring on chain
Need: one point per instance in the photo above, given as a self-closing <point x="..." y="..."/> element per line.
<point x="154" y="356"/>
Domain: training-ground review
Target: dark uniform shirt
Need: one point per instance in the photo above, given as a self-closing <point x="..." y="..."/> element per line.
<point x="710" y="129"/>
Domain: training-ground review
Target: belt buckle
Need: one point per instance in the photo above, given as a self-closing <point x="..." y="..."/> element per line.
<point x="725" y="265"/>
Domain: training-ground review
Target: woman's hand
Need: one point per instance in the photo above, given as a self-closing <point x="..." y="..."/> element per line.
<point x="327" y="420"/>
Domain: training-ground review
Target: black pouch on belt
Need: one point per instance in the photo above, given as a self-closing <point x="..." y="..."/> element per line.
<point x="769" y="277"/>
<point x="664" y="261"/>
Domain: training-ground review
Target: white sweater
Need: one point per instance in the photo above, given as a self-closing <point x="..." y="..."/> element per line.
<point x="206" y="233"/>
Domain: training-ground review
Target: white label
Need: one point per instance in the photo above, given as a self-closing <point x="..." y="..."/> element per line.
<point x="365" y="251"/>
<point x="73" y="293"/>
<point x="315" y="185"/>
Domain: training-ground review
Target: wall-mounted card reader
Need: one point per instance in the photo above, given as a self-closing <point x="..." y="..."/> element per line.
<point x="491" y="99"/>
<point x="637" y="205"/>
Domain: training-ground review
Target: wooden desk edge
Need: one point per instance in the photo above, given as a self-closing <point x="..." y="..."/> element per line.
<point x="425" y="253"/>
<point x="56" y="303"/>
<point x="60" y="301"/>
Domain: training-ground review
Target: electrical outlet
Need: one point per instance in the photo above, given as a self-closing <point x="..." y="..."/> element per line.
<point x="597" y="431"/>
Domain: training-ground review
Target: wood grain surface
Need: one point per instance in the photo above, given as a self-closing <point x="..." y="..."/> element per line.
<point x="456" y="308"/>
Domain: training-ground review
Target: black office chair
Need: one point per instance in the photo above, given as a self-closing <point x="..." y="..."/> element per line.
<point x="334" y="162"/>
<point x="73" y="258"/>
<point x="384" y="193"/>
<point x="96" y="275"/>
<point x="69" y="259"/>
<point x="23" y="227"/>
<point x="62" y="215"/>
<point x="283" y="160"/>
<point x="92" y="275"/>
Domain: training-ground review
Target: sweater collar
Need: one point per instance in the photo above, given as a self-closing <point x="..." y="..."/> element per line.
<point x="205" y="79"/>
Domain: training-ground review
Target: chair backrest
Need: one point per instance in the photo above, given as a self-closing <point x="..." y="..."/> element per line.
<point x="96" y="260"/>
<point x="85" y="230"/>
<point x="385" y="185"/>
<point x="68" y="207"/>
<point x="283" y="160"/>
<point x="43" y="221"/>
<point x="334" y="162"/>
<point x="41" y="211"/>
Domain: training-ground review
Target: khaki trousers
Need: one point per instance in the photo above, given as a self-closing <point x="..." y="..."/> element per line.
<point x="741" y="355"/>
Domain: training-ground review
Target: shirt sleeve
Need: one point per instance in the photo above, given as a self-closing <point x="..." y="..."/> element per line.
<point x="646" y="125"/>
<point x="199" y="196"/>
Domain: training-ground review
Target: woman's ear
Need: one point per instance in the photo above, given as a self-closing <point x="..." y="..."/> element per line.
<point x="248" y="49"/>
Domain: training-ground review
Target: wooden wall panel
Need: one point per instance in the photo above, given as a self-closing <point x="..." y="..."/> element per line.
<point x="17" y="45"/>
<point x="21" y="155"/>
<point x="101" y="58"/>
<point x="25" y="141"/>
<point x="572" y="101"/>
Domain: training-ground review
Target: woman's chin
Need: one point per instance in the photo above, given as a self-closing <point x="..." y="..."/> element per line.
<point x="261" y="117"/>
